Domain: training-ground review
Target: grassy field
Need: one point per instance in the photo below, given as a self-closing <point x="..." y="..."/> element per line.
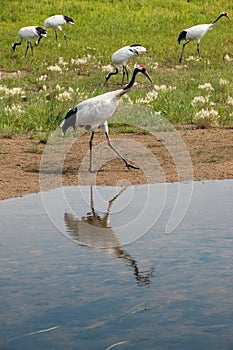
<point x="36" y="92"/>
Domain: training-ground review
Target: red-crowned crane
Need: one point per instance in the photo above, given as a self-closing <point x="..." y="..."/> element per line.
<point x="121" y="56"/>
<point x="96" y="111"/>
<point x="196" y="33"/>
<point x="56" y="22"/>
<point x="28" y="34"/>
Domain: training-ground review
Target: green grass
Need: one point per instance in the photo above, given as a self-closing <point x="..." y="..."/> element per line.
<point x="103" y="26"/>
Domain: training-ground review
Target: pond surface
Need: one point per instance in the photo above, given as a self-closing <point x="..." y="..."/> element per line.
<point x="103" y="268"/>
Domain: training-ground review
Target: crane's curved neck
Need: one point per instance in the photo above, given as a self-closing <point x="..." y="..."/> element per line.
<point x="132" y="81"/>
<point x="217" y="19"/>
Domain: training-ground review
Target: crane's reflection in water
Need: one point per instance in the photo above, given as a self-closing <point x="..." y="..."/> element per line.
<point x="94" y="231"/>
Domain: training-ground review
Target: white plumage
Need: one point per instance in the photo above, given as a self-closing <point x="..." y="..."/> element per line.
<point x="96" y="111"/>
<point x="121" y="57"/>
<point x="29" y="34"/>
<point x="196" y="33"/>
<point x="56" y="22"/>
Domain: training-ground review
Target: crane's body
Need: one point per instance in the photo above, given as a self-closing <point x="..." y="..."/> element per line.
<point x="196" y="33"/>
<point x="121" y="57"/>
<point x="96" y="111"/>
<point x="29" y="34"/>
<point x="56" y="22"/>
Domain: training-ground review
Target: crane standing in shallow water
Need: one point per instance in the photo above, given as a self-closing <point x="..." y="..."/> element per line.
<point x="28" y="34"/>
<point x="121" y="56"/>
<point x="56" y="22"/>
<point x="196" y="33"/>
<point x="95" y="112"/>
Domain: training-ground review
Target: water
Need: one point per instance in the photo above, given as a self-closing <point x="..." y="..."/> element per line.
<point x="89" y="272"/>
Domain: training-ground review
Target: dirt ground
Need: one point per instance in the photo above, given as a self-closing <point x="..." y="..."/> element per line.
<point x="161" y="158"/>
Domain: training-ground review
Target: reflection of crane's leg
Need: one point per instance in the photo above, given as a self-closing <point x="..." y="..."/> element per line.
<point x="90" y="144"/>
<point x="119" y="154"/>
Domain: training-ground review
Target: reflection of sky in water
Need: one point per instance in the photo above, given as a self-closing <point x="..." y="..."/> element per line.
<point x="94" y="298"/>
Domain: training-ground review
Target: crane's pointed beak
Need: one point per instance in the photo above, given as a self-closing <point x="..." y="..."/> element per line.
<point x="148" y="76"/>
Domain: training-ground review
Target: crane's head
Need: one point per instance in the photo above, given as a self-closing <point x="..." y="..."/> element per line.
<point x="225" y="14"/>
<point x="142" y="69"/>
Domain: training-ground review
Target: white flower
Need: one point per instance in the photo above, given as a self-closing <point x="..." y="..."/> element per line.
<point x="62" y="62"/>
<point x="55" y="68"/>
<point x="230" y="100"/>
<point x="42" y="77"/>
<point x="70" y="89"/>
<point x="199" y="99"/>
<point x="228" y="58"/>
<point x="64" y="96"/>
<point x="223" y="81"/>
<point x="205" y="118"/>
<point x="206" y="86"/>
<point x="106" y="68"/>
<point x="14" y="109"/>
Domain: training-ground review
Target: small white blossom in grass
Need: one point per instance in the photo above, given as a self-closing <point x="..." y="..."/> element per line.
<point x="206" y="86"/>
<point x="228" y="58"/>
<point x="71" y="90"/>
<point x="199" y="100"/>
<point x="206" y="118"/>
<point x="82" y="60"/>
<point x="107" y="68"/>
<point x="62" y="62"/>
<point x="13" y="91"/>
<point x="230" y="100"/>
<point x="58" y="87"/>
<point x="164" y="88"/>
<point x="55" y="68"/>
<point x="223" y="82"/>
<point x="14" y="109"/>
<point x="42" y="77"/>
<point x="64" y="96"/>
<point x="150" y="97"/>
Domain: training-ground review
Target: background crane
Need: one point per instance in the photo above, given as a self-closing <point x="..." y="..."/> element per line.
<point x="28" y="34"/>
<point x="121" y="56"/>
<point x="196" y="33"/>
<point x="56" y="22"/>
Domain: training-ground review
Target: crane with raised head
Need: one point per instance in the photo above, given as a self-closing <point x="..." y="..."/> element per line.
<point x="196" y="33"/>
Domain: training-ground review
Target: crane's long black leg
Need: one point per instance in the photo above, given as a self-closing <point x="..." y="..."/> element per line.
<point x="128" y="165"/>
<point x="56" y="35"/>
<point x="123" y="75"/>
<point x="90" y="144"/>
<point x="65" y="37"/>
<point x="127" y="74"/>
<point x="31" y="48"/>
<point x="182" y="52"/>
<point x="27" y="49"/>
<point x="198" y="50"/>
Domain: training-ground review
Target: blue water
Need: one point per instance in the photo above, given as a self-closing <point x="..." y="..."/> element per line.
<point x="77" y="274"/>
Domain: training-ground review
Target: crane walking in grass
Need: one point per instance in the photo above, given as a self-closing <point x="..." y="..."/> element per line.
<point x="56" y="22"/>
<point x="196" y="33"/>
<point x="121" y="57"/>
<point x="29" y="34"/>
<point x="96" y="111"/>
